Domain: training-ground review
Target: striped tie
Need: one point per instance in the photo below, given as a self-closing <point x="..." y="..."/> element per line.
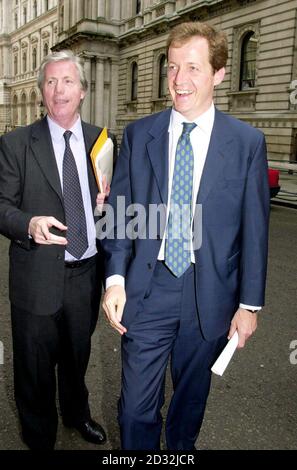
<point x="73" y="204"/>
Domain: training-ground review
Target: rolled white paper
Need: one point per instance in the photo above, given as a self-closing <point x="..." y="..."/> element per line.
<point x="226" y="355"/>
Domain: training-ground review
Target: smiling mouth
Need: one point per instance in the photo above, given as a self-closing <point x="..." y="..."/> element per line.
<point x="183" y="92"/>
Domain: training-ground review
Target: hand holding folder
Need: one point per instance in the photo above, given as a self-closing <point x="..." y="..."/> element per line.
<point x="102" y="159"/>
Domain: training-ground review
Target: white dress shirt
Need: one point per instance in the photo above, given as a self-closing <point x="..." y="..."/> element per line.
<point x="77" y="144"/>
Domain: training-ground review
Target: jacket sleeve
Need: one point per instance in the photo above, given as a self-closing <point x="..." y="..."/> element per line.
<point x="117" y="246"/>
<point x="255" y="224"/>
<point x="14" y="222"/>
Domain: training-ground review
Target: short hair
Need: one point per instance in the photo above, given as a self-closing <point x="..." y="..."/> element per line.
<point x="59" y="56"/>
<point x="217" y="40"/>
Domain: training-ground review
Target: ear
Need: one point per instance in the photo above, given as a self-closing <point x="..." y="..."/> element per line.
<point x="82" y="94"/>
<point x="219" y="76"/>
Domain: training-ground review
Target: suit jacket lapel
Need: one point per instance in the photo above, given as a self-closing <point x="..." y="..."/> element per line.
<point x="42" y="148"/>
<point x="90" y="135"/>
<point x="218" y="150"/>
<point x="157" y="150"/>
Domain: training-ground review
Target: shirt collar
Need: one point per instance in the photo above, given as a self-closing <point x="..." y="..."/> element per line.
<point x="57" y="132"/>
<point x="204" y="122"/>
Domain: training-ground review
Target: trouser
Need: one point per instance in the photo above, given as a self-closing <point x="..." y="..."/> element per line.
<point x="166" y="326"/>
<point x="40" y="342"/>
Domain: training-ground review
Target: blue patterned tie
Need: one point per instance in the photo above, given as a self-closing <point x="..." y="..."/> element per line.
<point x="179" y="232"/>
<point x="73" y="204"/>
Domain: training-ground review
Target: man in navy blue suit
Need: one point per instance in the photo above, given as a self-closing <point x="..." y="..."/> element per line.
<point x="173" y="300"/>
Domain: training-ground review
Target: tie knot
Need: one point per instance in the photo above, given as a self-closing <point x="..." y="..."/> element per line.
<point x="188" y="127"/>
<point x="67" y="135"/>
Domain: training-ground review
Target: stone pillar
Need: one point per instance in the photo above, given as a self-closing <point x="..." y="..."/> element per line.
<point x="72" y="15"/>
<point x="114" y="94"/>
<point x="115" y="13"/>
<point x="86" y="108"/>
<point x="79" y="10"/>
<point x="101" y="8"/>
<point x="4" y="14"/>
<point x="6" y="62"/>
<point x="124" y="11"/>
<point x="94" y="9"/>
<point x="99" y="93"/>
<point x="66" y="15"/>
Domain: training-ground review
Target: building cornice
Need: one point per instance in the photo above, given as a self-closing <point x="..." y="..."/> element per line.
<point x="86" y="35"/>
<point x="49" y="17"/>
<point x="201" y="10"/>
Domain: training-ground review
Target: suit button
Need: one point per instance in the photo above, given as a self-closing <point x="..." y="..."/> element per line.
<point x="149" y="265"/>
<point x="59" y="257"/>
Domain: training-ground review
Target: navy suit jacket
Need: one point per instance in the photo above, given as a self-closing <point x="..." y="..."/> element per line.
<point x="231" y="263"/>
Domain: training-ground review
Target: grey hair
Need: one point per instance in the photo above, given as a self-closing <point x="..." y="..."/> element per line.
<point x="58" y="56"/>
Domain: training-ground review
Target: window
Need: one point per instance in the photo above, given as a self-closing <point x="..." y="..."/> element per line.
<point x="162" y="88"/>
<point x="137" y="6"/>
<point x="248" y="61"/>
<point x="35" y="8"/>
<point x="45" y="49"/>
<point x="24" y="62"/>
<point x="16" y="21"/>
<point x="25" y="15"/>
<point x="15" y="65"/>
<point x="134" y="81"/>
<point x="45" y="5"/>
<point x="34" y="55"/>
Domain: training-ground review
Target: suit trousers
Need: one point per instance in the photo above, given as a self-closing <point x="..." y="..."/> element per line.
<point x="40" y="342"/>
<point x="165" y="326"/>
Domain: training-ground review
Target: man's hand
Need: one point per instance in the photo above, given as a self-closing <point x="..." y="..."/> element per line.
<point x="39" y="230"/>
<point x="245" y="323"/>
<point x="113" y="305"/>
<point x="103" y="195"/>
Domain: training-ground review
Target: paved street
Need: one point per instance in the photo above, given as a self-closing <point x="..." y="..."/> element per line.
<point x="253" y="406"/>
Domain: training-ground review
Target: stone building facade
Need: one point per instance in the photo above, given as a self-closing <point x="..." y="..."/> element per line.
<point x="123" y="46"/>
<point x="28" y="30"/>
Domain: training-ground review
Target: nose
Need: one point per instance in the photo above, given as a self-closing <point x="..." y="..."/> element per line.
<point x="59" y="86"/>
<point x="180" y="76"/>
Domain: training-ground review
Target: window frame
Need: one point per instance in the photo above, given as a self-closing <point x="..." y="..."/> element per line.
<point x="162" y="77"/>
<point x="245" y="62"/>
<point x="134" y="81"/>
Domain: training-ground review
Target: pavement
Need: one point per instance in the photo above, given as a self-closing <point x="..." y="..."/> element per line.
<point x="251" y="407"/>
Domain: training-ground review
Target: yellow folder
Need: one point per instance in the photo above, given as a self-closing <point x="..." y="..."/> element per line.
<point x="102" y="158"/>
